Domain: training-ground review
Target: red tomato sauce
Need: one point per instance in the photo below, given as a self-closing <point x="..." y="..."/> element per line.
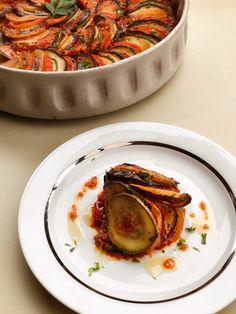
<point x="92" y="183"/>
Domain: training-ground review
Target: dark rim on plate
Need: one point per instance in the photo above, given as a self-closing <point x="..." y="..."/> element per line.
<point x="130" y="143"/>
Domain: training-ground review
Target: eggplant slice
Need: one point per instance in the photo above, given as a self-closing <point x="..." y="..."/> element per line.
<point x="131" y="226"/>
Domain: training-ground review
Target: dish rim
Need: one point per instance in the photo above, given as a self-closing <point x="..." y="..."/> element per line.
<point x="171" y="35"/>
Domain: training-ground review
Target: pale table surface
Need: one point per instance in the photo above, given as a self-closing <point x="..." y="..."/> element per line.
<point x="201" y="97"/>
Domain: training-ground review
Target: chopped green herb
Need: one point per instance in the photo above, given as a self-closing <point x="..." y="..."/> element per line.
<point x="203" y="239"/>
<point x="196" y="249"/>
<point x="180" y="242"/>
<point x="60" y="7"/>
<point x="72" y="247"/>
<point x="190" y="229"/>
<point x="119" y="12"/>
<point x="94" y="268"/>
<point x="83" y="39"/>
<point x="84" y="65"/>
<point x="145" y="177"/>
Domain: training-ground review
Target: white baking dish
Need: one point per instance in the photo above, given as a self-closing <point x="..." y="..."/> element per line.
<point x="64" y="95"/>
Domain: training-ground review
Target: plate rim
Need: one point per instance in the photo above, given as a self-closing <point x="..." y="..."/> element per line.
<point x="135" y="126"/>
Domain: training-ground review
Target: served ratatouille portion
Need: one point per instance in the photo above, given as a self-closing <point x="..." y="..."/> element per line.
<point x="138" y="211"/>
<point x="69" y="35"/>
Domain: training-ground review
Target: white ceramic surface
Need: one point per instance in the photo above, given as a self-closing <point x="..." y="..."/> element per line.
<point x="204" y="170"/>
<point x="94" y="91"/>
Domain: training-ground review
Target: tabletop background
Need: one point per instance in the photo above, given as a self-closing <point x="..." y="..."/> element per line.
<point x="200" y="97"/>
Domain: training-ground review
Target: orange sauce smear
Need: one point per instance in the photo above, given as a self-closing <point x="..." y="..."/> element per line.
<point x="206" y="227"/>
<point x="202" y="206"/>
<point x="73" y="213"/>
<point x="184" y="247"/>
<point x="92" y="183"/>
<point x="169" y="263"/>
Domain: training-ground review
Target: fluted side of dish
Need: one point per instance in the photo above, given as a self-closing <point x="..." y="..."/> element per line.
<point x="94" y="91"/>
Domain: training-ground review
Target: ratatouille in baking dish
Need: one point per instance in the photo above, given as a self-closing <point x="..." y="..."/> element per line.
<point x="68" y="35"/>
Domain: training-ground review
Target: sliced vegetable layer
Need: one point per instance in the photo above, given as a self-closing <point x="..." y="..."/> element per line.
<point x="102" y="31"/>
<point x="139" y="210"/>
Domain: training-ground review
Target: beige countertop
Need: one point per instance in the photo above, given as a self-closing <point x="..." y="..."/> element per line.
<point x="200" y="97"/>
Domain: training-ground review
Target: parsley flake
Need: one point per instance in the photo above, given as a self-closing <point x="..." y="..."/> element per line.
<point x="190" y="229"/>
<point x="203" y="239"/>
<point x="72" y="247"/>
<point x="180" y="242"/>
<point x="196" y="249"/>
<point x="94" y="268"/>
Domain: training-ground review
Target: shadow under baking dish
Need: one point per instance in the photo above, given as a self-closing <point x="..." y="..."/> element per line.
<point x="124" y="280"/>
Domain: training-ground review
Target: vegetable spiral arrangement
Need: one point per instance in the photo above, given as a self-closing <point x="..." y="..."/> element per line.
<point x="69" y="35"/>
<point x="138" y="211"/>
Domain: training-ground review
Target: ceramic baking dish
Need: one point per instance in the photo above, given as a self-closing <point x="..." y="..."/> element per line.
<point x="84" y="93"/>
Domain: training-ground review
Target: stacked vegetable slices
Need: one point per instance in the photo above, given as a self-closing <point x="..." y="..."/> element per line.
<point x="89" y="34"/>
<point x="138" y="211"/>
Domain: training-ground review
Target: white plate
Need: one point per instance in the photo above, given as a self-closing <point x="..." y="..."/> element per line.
<point x="204" y="170"/>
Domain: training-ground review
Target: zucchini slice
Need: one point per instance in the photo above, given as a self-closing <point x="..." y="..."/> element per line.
<point x="23" y="9"/>
<point x="66" y="42"/>
<point x="131" y="226"/>
<point x="107" y="59"/>
<point x="100" y="60"/>
<point x="151" y="12"/>
<point x="170" y="221"/>
<point x="175" y="234"/>
<point x="124" y="51"/>
<point x="97" y="39"/>
<point x="136" y="4"/>
<point x="150" y="27"/>
<point x="74" y="19"/>
<point x="111" y="55"/>
<point x="152" y="39"/>
<point x="59" y="64"/>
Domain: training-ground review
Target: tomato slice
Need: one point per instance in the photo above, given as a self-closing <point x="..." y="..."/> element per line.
<point x="28" y="24"/>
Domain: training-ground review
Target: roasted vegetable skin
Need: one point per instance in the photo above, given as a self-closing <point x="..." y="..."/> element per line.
<point x="139" y="210"/>
<point x="104" y="31"/>
<point x="131" y="226"/>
